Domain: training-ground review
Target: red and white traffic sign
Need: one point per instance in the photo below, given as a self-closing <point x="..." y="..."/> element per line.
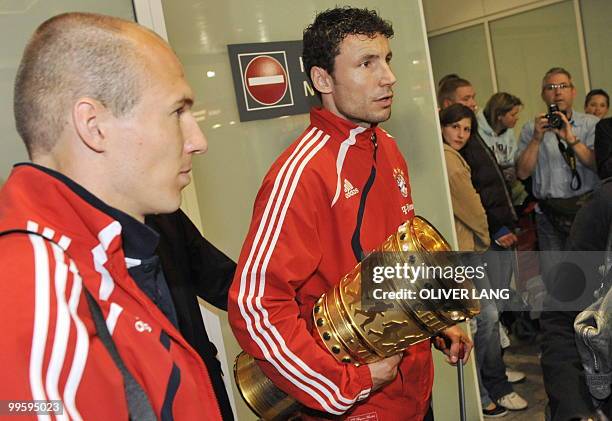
<point x="265" y="80"/>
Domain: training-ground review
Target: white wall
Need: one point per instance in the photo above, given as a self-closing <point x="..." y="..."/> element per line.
<point x="18" y="19"/>
<point x="443" y="14"/>
<point x="522" y="39"/>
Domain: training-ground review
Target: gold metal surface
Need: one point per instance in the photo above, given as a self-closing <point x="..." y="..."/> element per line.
<point x="362" y="333"/>
<point x="260" y="394"/>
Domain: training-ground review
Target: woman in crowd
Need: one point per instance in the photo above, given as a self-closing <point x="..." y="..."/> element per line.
<point x="458" y="128"/>
<point x="495" y="124"/>
<point x="457" y="123"/>
<point x="597" y="102"/>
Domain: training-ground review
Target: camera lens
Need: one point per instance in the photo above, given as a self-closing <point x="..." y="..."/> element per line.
<point x="554" y="121"/>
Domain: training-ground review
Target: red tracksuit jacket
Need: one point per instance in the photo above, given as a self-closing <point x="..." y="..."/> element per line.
<point x="50" y="348"/>
<point x="337" y="192"/>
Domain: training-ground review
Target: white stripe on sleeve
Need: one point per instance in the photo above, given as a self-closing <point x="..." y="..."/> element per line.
<point x="41" y="316"/>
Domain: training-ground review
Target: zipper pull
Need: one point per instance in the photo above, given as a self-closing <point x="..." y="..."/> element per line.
<point x="373" y="139"/>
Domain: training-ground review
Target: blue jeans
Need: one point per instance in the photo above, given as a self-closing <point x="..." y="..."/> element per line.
<point x="500" y="267"/>
<point x="549" y="239"/>
<point x="490" y="366"/>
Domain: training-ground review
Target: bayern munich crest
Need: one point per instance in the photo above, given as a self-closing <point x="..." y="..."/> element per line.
<point x="400" y="179"/>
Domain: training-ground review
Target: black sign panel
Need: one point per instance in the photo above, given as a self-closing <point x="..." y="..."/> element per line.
<point x="269" y="80"/>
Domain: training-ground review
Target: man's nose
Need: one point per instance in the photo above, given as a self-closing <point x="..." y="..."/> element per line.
<point x="195" y="142"/>
<point x="388" y="78"/>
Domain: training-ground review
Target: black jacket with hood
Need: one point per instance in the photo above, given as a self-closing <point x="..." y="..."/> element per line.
<point x="489" y="182"/>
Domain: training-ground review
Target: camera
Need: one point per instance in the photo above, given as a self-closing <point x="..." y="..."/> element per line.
<point x="554" y="121"/>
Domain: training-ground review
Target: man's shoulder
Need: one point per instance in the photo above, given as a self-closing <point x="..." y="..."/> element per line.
<point x="585" y="119"/>
<point x="387" y="140"/>
<point x="13" y="244"/>
<point x="309" y="157"/>
<point x="528" y="126"/>
<point x="385" y="135"/>
<point x="526" y="133"/>
<point x="17" y="262"/>
<point x="307" y="149"/>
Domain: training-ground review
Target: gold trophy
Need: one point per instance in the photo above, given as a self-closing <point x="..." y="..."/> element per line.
<point x="361" y="333"/>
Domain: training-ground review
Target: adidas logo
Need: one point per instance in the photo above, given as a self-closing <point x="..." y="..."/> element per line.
<point x="349" y="190"/>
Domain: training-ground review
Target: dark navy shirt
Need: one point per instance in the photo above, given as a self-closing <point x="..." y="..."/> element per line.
<point x="139" y="245"/>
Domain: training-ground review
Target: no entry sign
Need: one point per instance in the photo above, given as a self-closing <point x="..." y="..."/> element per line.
<point x="265" y="79"/>
<point x="269" y="80"/>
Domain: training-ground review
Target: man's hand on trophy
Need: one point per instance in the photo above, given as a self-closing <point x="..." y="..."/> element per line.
<point x="454" y="343"/>
<point x="384" y="371"/>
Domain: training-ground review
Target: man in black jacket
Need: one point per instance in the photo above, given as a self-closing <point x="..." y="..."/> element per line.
<point x="194" y="268"/>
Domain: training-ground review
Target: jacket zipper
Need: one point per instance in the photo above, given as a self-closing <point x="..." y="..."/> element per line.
<point x="356" y="239"/>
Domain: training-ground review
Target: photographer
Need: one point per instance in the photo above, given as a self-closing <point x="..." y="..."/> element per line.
<point x="556" y="148"/>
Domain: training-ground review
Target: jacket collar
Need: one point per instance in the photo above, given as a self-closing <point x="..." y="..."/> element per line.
<point x="485" y="127"/>
<point x="340" y="128"/>
<point x="483" y="124"/>
<point x="61" y="203"/>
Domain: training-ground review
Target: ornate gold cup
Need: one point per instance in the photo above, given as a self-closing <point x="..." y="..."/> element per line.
<point x="362" y="333"/>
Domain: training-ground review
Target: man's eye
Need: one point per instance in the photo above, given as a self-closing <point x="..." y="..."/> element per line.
<point x="366" y="63"/>
<point x="179" y="111"/>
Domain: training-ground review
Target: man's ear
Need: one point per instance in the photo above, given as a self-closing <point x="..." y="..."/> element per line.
<point x="446" y="103"/>
<point x="88" y="116"/>
<point x="322" y="80"/>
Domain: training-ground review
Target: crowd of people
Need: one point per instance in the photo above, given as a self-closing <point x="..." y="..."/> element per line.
<point x="558" y="162"/>
<point x="101" y="272"/>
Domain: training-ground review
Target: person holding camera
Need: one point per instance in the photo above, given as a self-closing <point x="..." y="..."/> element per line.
<point x="556" y="149"/>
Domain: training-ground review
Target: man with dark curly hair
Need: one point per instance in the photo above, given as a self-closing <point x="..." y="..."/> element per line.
<point x="334" y="195"/>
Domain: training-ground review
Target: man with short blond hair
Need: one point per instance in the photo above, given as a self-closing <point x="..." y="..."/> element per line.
<point x="453" y="89"/>
<point x="104" y="109"/>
